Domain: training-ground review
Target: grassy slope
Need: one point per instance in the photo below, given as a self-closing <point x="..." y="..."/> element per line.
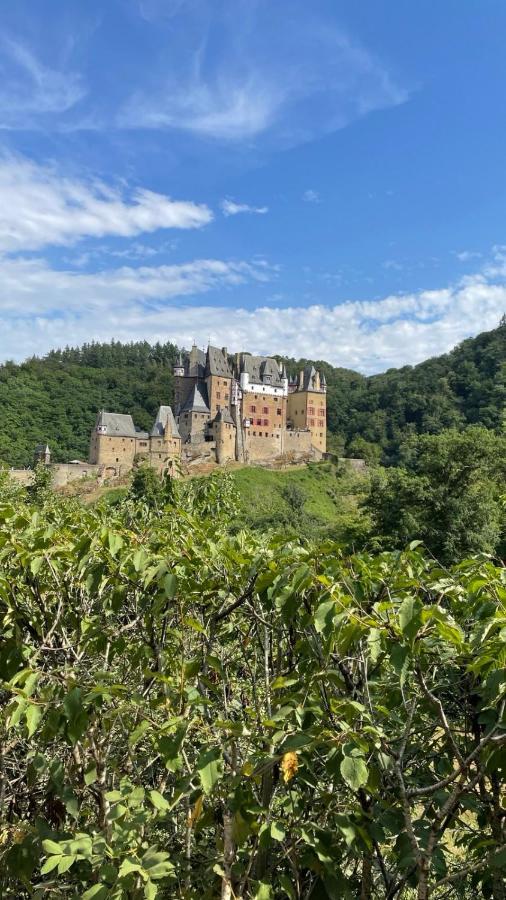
<point x="332" y="497"/>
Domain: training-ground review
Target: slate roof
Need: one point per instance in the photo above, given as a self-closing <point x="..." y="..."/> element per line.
<point x="198" y="400"/>
<point x="262" y="369"/>
<point x="165" y="423"/>
<point x="217" y="362"/>
<point x="223" y="415"/>
<point x="309" y="378"/>
<point x="120" y="425"/>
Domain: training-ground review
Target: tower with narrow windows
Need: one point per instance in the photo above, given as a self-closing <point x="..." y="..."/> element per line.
<point x="307" y="406"/>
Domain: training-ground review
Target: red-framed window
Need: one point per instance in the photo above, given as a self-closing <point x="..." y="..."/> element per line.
<point x="265" y="410"/>
<point x="253" y="408"/>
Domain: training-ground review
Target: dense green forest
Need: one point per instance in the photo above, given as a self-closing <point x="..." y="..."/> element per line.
<point x="56" y="398"/>
<point x="189" y="710"/>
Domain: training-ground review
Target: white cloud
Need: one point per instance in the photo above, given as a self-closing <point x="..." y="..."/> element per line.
<point x="392" y="264"/>
<point x="279" y="71"/>
<point x="39" y="208"/>
<point x="31" y="90"/>
<point x="311" y="196"/>
<point x="231" y="208"/>
<point x="42" y="308"/>
<point x="467" y="255"/>
<point x="31" y="288"/>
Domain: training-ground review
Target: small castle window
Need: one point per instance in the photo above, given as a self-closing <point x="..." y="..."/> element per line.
<point x="260" y="434"/>
<point x="266" y="421"/>
<point x="218" y="395"/>
<point x="278" y="412"/>
<point x="253" y="409"/>
<point x="254" y="434"/>
<point x="265" y="409"/>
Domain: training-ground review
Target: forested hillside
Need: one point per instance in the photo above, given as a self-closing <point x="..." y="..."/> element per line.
<point x="56" y="398"/>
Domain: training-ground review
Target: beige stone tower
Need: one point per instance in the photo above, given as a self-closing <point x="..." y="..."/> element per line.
<point x="307" y="406"/>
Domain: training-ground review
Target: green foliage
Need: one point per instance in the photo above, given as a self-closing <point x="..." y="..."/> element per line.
<point x="187" y="713"/>
<point x="40" y="488"/>
<point x="464" y="387"/>
<point x="447" y="492"/>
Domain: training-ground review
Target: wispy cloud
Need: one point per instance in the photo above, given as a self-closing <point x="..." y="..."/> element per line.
<point x="281" y="72"/>
<point x="392" y="265"/>
<point x="467" y="255"/>
<point x="31" y="90"/>
<point x="231" y="208"/>
<point x="311" y="196"/>
<point x="38" y="208"/>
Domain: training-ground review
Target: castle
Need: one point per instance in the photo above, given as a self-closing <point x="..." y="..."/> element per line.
<point x="241" y="407"/>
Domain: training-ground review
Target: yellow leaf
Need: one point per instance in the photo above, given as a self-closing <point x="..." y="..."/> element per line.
<point x="197" y="811"/>
<point x="289" y="766"/>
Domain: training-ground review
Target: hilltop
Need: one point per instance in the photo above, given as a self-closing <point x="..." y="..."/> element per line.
<point x="56" y="398"/>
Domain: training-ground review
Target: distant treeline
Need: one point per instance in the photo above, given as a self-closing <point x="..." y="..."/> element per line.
<point x="56" y="398"/>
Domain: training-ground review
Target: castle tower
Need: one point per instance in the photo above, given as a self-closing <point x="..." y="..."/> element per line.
<point x="178" y="368"/>
<point x="307" y="406"/>
<point x="224" y="430"/>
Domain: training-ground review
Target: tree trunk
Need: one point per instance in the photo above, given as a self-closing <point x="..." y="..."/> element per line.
<point x="423" y="879"/>
<point x="366" y="886"/>
<point x="228" y="856"/>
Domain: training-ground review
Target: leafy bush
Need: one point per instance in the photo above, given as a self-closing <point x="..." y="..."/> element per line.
<point x="188" y="713"/>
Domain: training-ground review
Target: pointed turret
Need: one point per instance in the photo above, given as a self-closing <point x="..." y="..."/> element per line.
<point x="178" y="368"/>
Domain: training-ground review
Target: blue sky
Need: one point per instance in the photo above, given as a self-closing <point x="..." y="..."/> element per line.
<point x="321" y="179"/>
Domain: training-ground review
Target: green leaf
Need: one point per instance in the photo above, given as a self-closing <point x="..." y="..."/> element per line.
<point x="278" y="831"/>
<point x="52" y="847"/>
<point x="409" y="616"/>
<point x="354" y="771"/>
<point x="34" y="714"/>
<point x="170" y="585"/>
<point x="65" y="863"/>
<point x="264" y="891"/>
<point x="115" y="542"/>
<point x="324" y="615"/>
<point x="96" y="892"/>
<point x="138" y="732"/>
<point x="90" y="776"/>
<point x="161" y="870"/>
<point x="158" y="801"/>
<point x="139" y="560"/>
<point x="150" y="890"/>
<point x="76" y="714"/>
<point x="35" y="564"/>
<point x="287" y="887"/>
<point x="210" y="769"/>
<point x="128" y="866"/>
<point x="50" y="864"/>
